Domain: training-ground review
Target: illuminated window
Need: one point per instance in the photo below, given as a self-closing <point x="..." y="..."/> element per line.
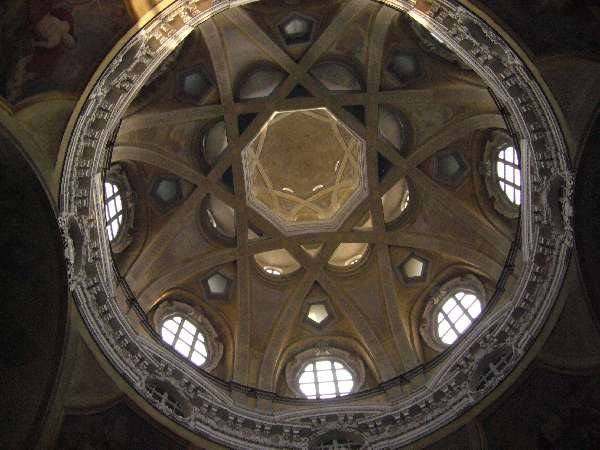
<point x="185" y="338"/>
<point x="405" y="201"/>
<point x="348" y="255"/>
<point x="456" y="315"/>
<point x="354" y="260"/>
<point x="317" y="313"/>
<point x="325" y="378"/>
<point x="113" y="209"/>
<point x="272" y="271"/>
<point x="509" y="174"/>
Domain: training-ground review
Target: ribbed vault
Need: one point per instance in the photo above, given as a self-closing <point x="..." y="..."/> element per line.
<point x="447" y="225"/>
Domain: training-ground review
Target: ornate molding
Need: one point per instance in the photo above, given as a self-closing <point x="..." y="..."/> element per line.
<point x="391" y="424"/>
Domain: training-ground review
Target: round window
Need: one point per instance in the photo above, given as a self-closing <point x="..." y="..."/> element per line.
<point x="185" y="337"/>
<point x="325" y="378"/>
<point x="456" y="315"/>
<point x="509" y="174"/>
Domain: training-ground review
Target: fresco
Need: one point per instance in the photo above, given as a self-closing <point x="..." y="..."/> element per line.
<point x="55" y="44"/>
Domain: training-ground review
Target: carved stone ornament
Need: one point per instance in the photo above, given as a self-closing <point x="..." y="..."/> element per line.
<point x="430" y="44"/>
<point x="497" y="141"/>
<point x="547" y="238"/>
<point x="352" y="362"/>
<point x="214" y="347"/>
<point x="467" y="283"/>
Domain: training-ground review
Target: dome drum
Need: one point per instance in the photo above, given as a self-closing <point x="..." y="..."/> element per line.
<point x="445" y="394"/>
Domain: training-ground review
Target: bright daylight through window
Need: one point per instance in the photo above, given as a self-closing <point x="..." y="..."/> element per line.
<point x="185" y="337"/>
<point x="113" y="209"/>
<point x="322" y="379"/>
<point x="456" y="315"/>
<point x="509" y="174"/>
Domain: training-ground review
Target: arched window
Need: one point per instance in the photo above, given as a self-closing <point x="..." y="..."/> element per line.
<point x="186" y="338"/>
<point x="502" y="173"/>
<point x="113" y="209"/>
<point x="509" y="173"/>
<point x="119" y="202"/>
<point x="451" y="310"/>
<point x="456" y="315"/>
<point x="325" y="378"/>
<point x="272" y="271"/>
<point x="188" y="331"/>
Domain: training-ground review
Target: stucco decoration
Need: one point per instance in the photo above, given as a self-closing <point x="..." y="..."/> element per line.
<point x="430" y="43"/>
<point x="546" y="234"/>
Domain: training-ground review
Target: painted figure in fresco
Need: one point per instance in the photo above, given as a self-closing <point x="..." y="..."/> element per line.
<point x="50" y="34"/>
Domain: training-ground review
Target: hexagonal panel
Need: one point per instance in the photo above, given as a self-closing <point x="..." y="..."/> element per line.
<point x="449" y="167"/>
<point x="413" y="269"/>
<point x="404" y="66"/>
<point x="296" y="29"/>
<point x="217" y="286"/>
<point x="305" y="171"/>
<point x="166" y="191"/>
<point x="193" y="85"/>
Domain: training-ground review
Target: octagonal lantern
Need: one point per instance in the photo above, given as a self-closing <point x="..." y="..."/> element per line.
<point x="305" y="171"/>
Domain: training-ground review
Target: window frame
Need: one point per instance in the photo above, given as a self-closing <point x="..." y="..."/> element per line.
<point x="497" y="141"/>
<point x="119" y="215"/>
<point x="168" y="309"/>
<point x="447" y="318"/>
<point x="117" y="177"/>
<point x="197" y="336"/>
<point x="351" y="362"/>
<point x="515" y="167"/>
<point x="428" y="328"/>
